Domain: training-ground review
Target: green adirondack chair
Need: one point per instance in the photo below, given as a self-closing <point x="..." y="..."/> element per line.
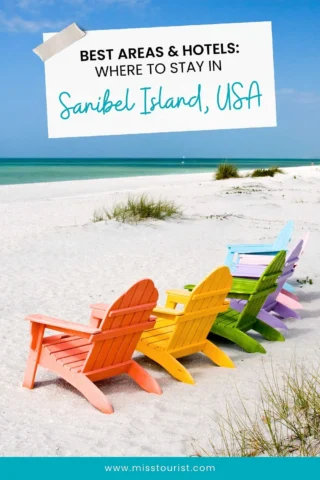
<point x="233" y="325"/>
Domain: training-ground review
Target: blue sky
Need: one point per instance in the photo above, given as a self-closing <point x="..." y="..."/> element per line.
<point x="23" y="129"/>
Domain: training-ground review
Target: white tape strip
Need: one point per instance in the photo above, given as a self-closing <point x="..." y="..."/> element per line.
<point x="59" y="42"/>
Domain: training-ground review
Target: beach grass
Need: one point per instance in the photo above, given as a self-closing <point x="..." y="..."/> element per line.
<point x="286" y="422"/>
<point x="136" y="209"/>
<point x="98" y="215"/>
<point x="266" y="172"/>
<point x="226" y="170"/>
<point x="305" y="281"/>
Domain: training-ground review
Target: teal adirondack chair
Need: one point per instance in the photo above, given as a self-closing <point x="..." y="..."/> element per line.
<point x="233" y="324"/>
<point x="280" y="243"/>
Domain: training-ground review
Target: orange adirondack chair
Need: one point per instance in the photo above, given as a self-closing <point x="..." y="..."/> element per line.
<point x="85" y="354"/>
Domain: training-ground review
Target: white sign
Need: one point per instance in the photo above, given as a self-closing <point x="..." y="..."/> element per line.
<point x="170" y="79"/>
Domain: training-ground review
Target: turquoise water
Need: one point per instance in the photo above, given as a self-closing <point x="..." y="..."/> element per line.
<point x="17" y="171"/>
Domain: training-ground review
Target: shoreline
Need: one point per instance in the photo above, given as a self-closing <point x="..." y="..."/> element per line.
<point x="26" y="173"/>
<point x="171" y="176"/>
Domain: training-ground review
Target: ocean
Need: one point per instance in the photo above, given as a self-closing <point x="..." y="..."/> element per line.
<point x="26" y="170"/>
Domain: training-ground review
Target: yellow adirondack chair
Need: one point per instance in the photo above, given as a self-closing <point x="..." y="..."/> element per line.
<point x="178" y="333"/>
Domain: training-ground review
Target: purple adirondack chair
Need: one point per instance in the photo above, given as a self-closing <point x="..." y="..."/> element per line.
<point x="242" y="268"/>
<point x="255" y="270"/>
<point x="272" y="304"/>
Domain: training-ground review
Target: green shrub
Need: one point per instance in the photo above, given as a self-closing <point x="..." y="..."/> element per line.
<point x="226" y="170"/>
<point x="266" y="172"/>
<point x="135" y="209"/>
<point x="276" y="169"/>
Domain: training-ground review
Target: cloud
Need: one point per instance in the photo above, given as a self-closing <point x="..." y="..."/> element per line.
<point x="34" y="4"/>
<point x="286" y="91"/>
<point x="31" y="17"/>
<point x="91" y="4"/>
<point x="18" y="24"/>
<point x="308" y="97"/>
<point x="300" y="97"/>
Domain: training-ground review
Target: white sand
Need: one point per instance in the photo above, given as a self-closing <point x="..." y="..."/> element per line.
<point x="55" y="261"/>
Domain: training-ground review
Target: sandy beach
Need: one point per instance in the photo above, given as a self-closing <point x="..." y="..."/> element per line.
<point x="56" y="261"/>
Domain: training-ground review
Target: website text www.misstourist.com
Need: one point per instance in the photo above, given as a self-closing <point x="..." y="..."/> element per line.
<point x="160" y="468"/>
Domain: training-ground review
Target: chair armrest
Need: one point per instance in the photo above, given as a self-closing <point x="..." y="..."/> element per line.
<point x="98" y="312"/>
<point x="100" y="306"/>
<point x="262" y="260"/>
<point x="167" y="311"/>
<point x="63" y="325"/>
<point x="237" y="304"/>
<point x="178" y="296"/>
<point x="253" y="249"/>
<point x="178" y="291"/>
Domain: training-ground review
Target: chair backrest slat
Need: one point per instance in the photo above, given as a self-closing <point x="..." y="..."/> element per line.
<point x="288" y="271"/>
<point x="305" y="241"/>
<point x="132" y="309"/>
<point x="201" y="296"/>
<point x="265" y="285"/>
<point x="206" y="300"/>
<point x="283" y="239"/>
<point x="124" y="311"/>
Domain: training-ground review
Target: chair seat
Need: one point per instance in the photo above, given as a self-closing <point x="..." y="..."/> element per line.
<point x="160" y="335"/>
<point x="70" y="350"/>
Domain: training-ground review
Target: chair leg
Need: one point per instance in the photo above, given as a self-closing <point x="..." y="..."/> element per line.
<point x="170" y="303"/>
<point x="289" y="302"/>
<point x="167" y="361"/>
<point x="92" y="393"/>
<point x="264" y="315"/>
<point x="290" y="295"/>
<point x="37" y="331"/>
<point x="285" y="312"/>
<point x="268" y="332"/>
<point x="143" y="379"/>
<point x="235" y="335"/>
<point x="271" y="320"/>
<point x="216" y="355"/>
<point x="31" y="370"/>
<point x="289" y="288"/>
<point x="79" y="381"/>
